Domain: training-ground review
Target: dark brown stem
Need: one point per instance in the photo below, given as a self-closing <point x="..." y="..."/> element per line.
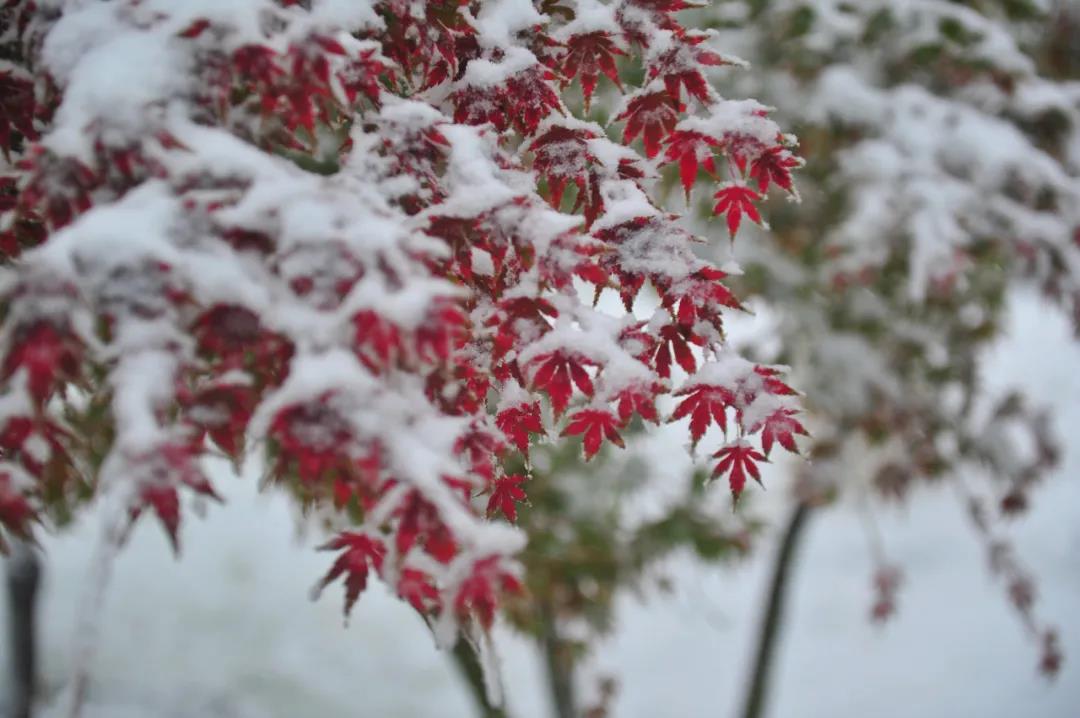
<point x="23" y="579"/>
<point x="468" y="662"/>
<point x="757" y="692"/>
<point x="560" y="667"/>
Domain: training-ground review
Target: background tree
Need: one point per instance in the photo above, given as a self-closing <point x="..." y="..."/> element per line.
<point x="942" y="173"/>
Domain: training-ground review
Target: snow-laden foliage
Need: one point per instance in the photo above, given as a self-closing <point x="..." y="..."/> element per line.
<point x="943" y="146"/>
<point x="354" y="236"/>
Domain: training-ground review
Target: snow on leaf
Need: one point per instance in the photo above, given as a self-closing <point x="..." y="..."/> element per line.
<point x="653" y="115"/>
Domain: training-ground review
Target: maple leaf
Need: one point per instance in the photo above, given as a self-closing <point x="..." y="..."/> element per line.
<point x="517" y="422"/>
<point x="165" y="502"/>
<point x="642" y="402"/>
<point x="48" y="355"/>
<point x="652" y="115"/>
<point x="735" y="200"/>
<point x="681" y="66"/>
<point x="16" y="513"/>
<point x="223" y="411"/>
<point x="360" y="554"/>
<point x="476" y="594"/>
<point x="781" y="426"/>
<point x="416" y="587"/>
<point x="420" y="522"/>
<point x="773" y="385"/>
<point x="561" y="155"/>
<point x="704" y="404"/>
<point x="676" y="340"/>
<point x="590" y="54"/>
<point x="506" y="494"/>
<point x="774" y="165"/>
<point x="690" y="149"/>
<point x="738" y="460"/>
<point x="557" y="374"/>
<point x="596" y="425"/>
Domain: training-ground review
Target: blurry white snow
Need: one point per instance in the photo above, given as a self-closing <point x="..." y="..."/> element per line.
<point x="228" y="631"/>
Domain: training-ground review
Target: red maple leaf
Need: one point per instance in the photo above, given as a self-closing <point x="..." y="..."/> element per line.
<point x="48" y="354"/>
<point x="735" y="200"/>
<point x="774" y="165"/>
<point x="773" y="385"/>
<point x="561" y="156"/>
<point x="421" y="523"/>
<point x="690" y="149"/>
<point x="361" y="553"/>
<point x="652" y="115"/>
<point x="590" y="54"/>
<point x="681" y="65"/>
<point x="738" y="460"/>
<point x="704" y="404"/>
<point x="416" y="588"/>
<point x="16" y="514"/>
<point x="640" y="401"/>
<point x="677" y="340"/>
<point x="518" y="422"/>
<point x="505" y="496"/>
<point x="557" y="374"/>
<point x="596" y="425"/>
<point x="781" y="426"/>
<point x="476" y="594"/>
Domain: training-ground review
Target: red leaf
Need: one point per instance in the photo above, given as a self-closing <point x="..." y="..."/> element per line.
<point x="557" y="374"/>
<point x="416" y="588"/>
<point x="773" y="385"/>
<point x="16" y="514"/>
<point x="360" y="554"/>
<point x="596" y="425"/>
<point x="505" y="496"/>
<point x="518" y="422"/>
<point x="590" y="54"/>
<point x="477" y="593"/>
<point x="774" y="165"/>
<point x="652" y="115"/>
<point x="738" y="460"/>
<point x="735" y="200"/>
<point x="690" y="149"/>
<point x="704" y="404"/>
<point x="781" y="426"/>
<point x="640" y="401"/>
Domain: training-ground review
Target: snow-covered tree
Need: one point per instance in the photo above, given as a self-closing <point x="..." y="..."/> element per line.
<point x="943" y="147"/>
<point x="353" y="238"/>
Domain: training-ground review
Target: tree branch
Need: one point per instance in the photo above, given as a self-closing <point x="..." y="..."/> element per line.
<point x="754" y="705"/>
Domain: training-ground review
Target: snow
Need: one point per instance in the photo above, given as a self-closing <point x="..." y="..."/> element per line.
<point x="226" y="630"/>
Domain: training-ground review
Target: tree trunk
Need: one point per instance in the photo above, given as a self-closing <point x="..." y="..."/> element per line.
<point x="757" y="692"/>
<point x="560" y="667"/>
<point x="23" y="578"/>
